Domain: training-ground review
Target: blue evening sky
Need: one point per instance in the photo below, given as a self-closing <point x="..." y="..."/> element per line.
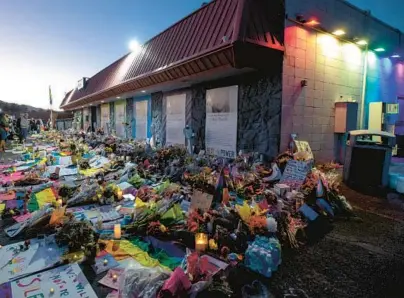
<point x="55" y="42"/>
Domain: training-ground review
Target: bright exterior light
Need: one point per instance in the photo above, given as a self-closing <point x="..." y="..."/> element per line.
<point x="395" y="56"/>
<point x="118" y="97"/>
<point x="339" y="32"/>
<point x="143" y="91"/>
<point x="312" y="22"/>
<point x="379" y="50"/>
<point x="362" y="42"/>
<point x="135" y="47"/>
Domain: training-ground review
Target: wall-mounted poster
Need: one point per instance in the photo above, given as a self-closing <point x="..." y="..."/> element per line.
<point x="221" y="121"/>
<point x="104" y="116"/>
<point x="175" y="119"/>
<point x="140" y="111"/>
<point x="120" y="118"/>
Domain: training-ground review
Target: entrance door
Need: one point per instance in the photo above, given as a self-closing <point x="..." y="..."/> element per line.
<point x="399" y="129"/>
<point x="93" y="118"/>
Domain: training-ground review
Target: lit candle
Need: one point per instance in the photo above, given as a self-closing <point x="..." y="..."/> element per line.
<point x="59" y="203"/>
<point x="117" y="231"/>
<point x="120" y="194"/>
<point x="201" y="241"/>
<point x="105" y="262"/>
<point x="114" y="277"/>
<point x="52" y="290"/>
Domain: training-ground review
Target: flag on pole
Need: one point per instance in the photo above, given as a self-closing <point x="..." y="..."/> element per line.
<point x="50" y="96"/>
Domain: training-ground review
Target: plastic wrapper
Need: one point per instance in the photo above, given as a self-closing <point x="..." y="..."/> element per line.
<point x="142" y="282"/>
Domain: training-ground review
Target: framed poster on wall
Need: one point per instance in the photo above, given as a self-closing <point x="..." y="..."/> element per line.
<point x="141" y="110"/>
<point x="221" y="121"/>
<point x="104" y="116"/>
<point x="120" y="118"/>
<point x="175" y="122"/>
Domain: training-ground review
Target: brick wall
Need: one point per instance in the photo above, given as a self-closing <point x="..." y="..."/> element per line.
<point x="333" y="69"/>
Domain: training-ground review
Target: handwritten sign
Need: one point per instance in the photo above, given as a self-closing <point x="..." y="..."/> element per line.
<point x="201" y="201"/>
<point x="295" y="173"/>
<point x="66" y="281"/>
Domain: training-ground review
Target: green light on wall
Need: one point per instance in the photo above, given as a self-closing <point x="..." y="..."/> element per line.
<point x="379" y="50"/>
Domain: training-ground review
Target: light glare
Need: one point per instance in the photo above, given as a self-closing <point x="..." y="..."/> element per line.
<point x="379" y="50"/>
<point x="362" y="42"/>
<point x="339" y="32"/>
<point x="135" y="47"/>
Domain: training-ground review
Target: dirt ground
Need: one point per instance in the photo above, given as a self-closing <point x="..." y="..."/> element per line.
<point x="356" y="259"/>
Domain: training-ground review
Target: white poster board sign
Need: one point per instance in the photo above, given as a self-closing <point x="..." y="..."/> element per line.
<point x="175" y="119"/>
<point x="221" y="121"/>
<point x="140" y="111"/>
<point x="104" y="116"/>
<point x="66" y="281"/>
<point x="120" y="117"/>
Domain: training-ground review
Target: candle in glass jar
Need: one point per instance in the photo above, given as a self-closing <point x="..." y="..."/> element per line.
<point x="59" y="203"/>
<point x="117" y="231"/>
<point x="105" y="262"/>
<point x="120" y="194"/>
<point x="201" y="241"/>
<point x="114" y="277"/>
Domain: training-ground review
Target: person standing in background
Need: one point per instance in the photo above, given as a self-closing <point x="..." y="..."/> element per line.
<point x="24" y="124"/>
<point x="3" y="132"/>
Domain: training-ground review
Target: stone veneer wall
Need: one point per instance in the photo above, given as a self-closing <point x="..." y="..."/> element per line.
<point x="158" y="117"/>
<point x="259" y="115"/>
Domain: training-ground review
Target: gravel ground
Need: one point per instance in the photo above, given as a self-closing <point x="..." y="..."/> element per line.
<point x="356" y="259"/>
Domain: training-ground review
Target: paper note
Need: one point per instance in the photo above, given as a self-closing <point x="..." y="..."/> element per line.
<point x="22" y="218"/>
<point x="111" y="279"/>
<point x="303" y="146"/>
<point x="7" y="196"/>
<point x="104" y="263"/>
<point x="201" y="200"/>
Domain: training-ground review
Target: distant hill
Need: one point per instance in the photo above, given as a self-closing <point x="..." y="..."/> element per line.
<point x="14" y="109"/>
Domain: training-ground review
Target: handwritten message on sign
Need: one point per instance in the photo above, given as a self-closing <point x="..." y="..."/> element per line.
<point x="201" y="200"/>
<point x="66" y="281"/>
<point x="295" y="173"/>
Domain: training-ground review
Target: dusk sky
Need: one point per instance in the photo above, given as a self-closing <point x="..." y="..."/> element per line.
<point x="48" y="42"/>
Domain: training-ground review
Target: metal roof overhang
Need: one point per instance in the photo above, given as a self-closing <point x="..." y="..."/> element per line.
<point x="229" y="59"/>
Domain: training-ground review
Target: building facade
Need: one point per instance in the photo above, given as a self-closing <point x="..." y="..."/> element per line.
<point x="246" y="74"/>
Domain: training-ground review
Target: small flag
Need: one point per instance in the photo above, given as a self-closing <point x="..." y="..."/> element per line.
<point x="50" y="96"/>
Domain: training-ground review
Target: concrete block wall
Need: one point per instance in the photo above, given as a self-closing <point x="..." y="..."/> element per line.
<point x="333" y="71"/>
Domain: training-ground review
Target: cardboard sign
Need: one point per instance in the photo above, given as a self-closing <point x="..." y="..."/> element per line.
<point x="201" y="200"/>
<point x="66" y="281"/>
<point x="295" y="173"/>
